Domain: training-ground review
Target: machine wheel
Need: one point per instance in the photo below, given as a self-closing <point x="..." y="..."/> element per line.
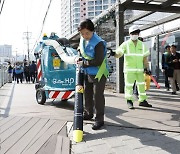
<point x="40" y="96"/>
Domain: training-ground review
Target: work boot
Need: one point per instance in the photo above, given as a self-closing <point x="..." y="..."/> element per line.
<point x="145" y="104"/>
<point x="173" y="93"/>
<point x="177" y="88"/>
<point x="97" y="125"/>
<point x="130" y="104"/>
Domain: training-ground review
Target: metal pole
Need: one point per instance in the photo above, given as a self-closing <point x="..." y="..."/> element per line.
<point x="119" y="39"/>
<point x="27" y="37"/>
<point x="157" y="50"/>
<point x="16" y="54"/>
<point x="28" y="45"/>
<point x="78" y="105"/>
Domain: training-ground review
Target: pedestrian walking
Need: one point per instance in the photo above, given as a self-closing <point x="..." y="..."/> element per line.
<point x="174" y="65"/>
<point x="14" y="73"/>
<point x="93" y="51"/>
<point x="33" y="71"/>
<point x="10" y="71"/>
<point x="19" y="72"/>
<point x="26" y="73"/>
<point x="135" y="62"/>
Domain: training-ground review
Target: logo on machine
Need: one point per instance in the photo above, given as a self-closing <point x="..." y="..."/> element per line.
<point x="65" y="82"/>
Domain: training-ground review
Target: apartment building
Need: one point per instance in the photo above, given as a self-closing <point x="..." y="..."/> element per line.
<point x="5" y="50"/>
<point x="74" y="11"/>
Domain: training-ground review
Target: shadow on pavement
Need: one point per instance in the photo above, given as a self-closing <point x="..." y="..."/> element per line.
<point x="7" y="109"/>
<point x="109" y="95"/>
<point x="68" y="105"/>
<point x="175" y="116"/>
<point x="114" y="113"/>
<point x="146" y="136"/>
<point x="164" y="98"/>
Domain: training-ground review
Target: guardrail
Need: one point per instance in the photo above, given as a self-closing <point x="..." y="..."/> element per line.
<point x="3" y="75"/>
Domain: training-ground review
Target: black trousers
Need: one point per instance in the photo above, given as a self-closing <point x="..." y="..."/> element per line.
<point x="19" y="77"/>
<point x="166" y="79"/>
<point x="32" y="77"/>
<point x="27" y="76"/>
<point x="94" y="96"/>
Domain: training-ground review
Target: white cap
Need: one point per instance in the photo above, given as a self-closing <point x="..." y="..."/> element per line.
<point x="133" y="28"/>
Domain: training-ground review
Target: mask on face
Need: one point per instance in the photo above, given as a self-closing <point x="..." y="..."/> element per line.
<point x="134" y="37"/>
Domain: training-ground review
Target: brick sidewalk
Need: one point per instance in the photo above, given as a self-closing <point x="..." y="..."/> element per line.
<point x="141" y="131"/>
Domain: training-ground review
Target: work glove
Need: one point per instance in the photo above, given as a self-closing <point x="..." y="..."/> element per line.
<point x="147" y="71"/>
<point x="111" y="53"/>
<point x="79" y="61"/>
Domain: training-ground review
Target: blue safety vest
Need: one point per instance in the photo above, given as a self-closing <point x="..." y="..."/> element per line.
<point x="88" y="52"/>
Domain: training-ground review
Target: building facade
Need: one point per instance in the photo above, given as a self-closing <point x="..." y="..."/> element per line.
<point x="6" y="50"/>
<point x="65" y="18"/>
<point x="74" y="11"/>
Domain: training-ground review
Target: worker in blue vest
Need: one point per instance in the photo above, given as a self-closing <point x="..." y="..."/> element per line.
<point x="93" y="50"/>
<point x="19" y="72"/>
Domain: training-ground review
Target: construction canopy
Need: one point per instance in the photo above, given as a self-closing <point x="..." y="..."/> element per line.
<point x="145" y="13"/>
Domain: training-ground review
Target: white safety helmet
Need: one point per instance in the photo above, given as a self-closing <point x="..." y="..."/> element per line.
<point x="133" y="28"/>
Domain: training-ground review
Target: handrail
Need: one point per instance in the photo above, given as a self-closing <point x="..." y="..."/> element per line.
<point x="3" y="75"/>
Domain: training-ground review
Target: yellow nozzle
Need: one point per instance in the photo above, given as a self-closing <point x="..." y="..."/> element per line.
<point x="77" y="135"/>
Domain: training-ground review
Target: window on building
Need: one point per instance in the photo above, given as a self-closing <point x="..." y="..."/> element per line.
<point x="76" y="5"/>
<point x="98" y="2"/>
<point x="90" y="13"/>
<point x="105" y="1"/>
<point x="91" y="8"/>
<point x="98" y="7"/>
<point x="97" y="13"/>
<point x="77" y="9"/>
<point x="76" y="20"/>
<point x="75" y="27"/>
<point x="105" y="7"/>
<point x="77" y="15"/>
<point x="113" y="1"/>
<point x="90" y="3"/>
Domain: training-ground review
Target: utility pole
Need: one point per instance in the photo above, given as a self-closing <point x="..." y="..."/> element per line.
<point x="27" y="36"/>
<point x="16" y="54"/>
<point x="119" y="39"/>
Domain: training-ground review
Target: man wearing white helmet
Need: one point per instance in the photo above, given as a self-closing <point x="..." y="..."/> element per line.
<point x="135" y="62"/>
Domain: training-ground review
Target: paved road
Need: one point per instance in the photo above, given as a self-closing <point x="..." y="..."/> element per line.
<point x="27" y="127"/>
<point x="143" y="130"/>
<point x="22" y="102"/>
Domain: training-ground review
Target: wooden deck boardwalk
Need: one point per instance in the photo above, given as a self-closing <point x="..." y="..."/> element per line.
<point x="33" y="135"/>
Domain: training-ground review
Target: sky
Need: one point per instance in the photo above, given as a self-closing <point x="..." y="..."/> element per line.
<point x="19" y="16"/>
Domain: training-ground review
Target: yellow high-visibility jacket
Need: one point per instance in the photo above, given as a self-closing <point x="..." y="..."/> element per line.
<point x="133" y="55"/>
